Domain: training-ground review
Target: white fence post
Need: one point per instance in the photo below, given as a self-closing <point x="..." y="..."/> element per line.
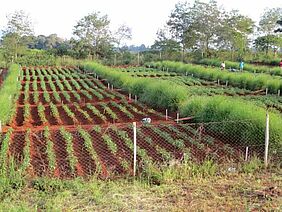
<point x="278" y="93"/>
<point x="112" y="87"/>
<point x="166" y="114"/>
<point x="135" y="148"/>
<point x="135" y="98"/>
<point x="108" y="85"/>
<point x="129" y="96"/>
<point x="266" y="140"/>
<point x="247" y="153"/>
<point x="266" y="91"/>
<point x="177" y="118"/>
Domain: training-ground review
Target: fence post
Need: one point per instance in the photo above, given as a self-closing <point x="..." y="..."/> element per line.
<point x="129" y="96"/>
<point x="112" y="87"/>
<point x="226" y="83"/>
<point x="279" y="92"/>
<point x="108" y="85"/>
<point x="247" y="153"/>
<point x="177" y="118"/>
<point x="166" y="114"/>
<point x="135" y="98"/>
<point x="266" y="140"/>
<point x="135" y="148"/>
<point x="266" y="91"/>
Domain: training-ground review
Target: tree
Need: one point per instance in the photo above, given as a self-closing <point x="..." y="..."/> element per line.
<point x="165" y="43"/>
<point x="265" y="43"/>
<point x="267" y="25"/>
<point x="269" y="19"/>
<point x="180" y="25"/>
<point x="208" y="20"/>
<point x="92" y="35"/>
<point x="18" y="28"/>
<point x="196" y="26"/>
<point x="234" y="33"/>
<point x="122" y="34"/>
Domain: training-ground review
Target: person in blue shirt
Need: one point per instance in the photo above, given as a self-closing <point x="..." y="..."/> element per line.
<point x="241" y="65"/>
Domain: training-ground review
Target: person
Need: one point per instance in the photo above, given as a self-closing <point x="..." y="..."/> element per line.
<point x="222" y="65"/>
<point x="280" y="64"/>
<point x="241" y="65"/>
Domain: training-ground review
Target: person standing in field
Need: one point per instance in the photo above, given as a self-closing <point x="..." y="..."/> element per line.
<point x="280" y="64"/>
<point x="222" y="65"/>
<point x="241" y="65"/>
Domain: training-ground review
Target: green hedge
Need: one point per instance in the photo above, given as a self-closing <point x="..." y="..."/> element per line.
<point x="247" y="67"/>
<point x="242" y="80"/>
<point x="221" y="108"/>
<point x="8" y="93"/>
<point x="156" y="93"/>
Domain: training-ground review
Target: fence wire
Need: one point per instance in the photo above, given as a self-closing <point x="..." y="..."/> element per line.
<point x="109" y="151"/>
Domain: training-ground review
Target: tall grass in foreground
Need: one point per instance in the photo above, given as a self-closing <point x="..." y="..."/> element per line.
<point x="8" y="93"/>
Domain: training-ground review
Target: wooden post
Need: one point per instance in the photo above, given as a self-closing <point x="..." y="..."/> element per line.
<point x="226" y="83"/>
<point x="129" y="96"/>
<point x="279" y="92"/>
<point x="266" y="91"/>
<point x="166" y="114"/>
<point x="135" y="98"/>
<point x="177" y="118"/>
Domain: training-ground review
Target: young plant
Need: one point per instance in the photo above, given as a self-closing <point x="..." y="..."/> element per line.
<point x="69" y="147"/>
<point x="4" y="150"/>
<point x="96" y="112"/>
<point x="110" y="143"/>
<point x="26" y="152"/>
<point x="89" y="146"/>
<point x="69" y="113"/>
<point x="109" y="111"/>
<point x="84" y="113"/>
<point x="41" y="113"/>
<point x="122" y="109"/>
<point x="50" y="150"/>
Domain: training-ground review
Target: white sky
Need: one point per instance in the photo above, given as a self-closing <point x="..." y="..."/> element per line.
<point x="145" y="17"/>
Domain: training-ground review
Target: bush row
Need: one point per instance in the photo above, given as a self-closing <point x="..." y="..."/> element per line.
<point x="156" y="93"/>
<point x="242" y="80"/>
<point x="221" y="108"/>
<point x="247" y="67"/>
<point x="8" y="93"/>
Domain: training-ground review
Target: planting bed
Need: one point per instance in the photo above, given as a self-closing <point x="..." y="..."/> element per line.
<point x="201" y="87"/>
<point x="69" y="124"/>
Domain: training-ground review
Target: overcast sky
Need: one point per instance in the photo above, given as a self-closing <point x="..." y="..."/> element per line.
<point x="145" y="17"/>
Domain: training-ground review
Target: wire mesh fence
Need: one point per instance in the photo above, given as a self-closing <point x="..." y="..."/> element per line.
<point x="123" y="149"/>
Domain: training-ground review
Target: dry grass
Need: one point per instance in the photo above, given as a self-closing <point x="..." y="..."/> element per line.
<point x="257" y="191"/>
